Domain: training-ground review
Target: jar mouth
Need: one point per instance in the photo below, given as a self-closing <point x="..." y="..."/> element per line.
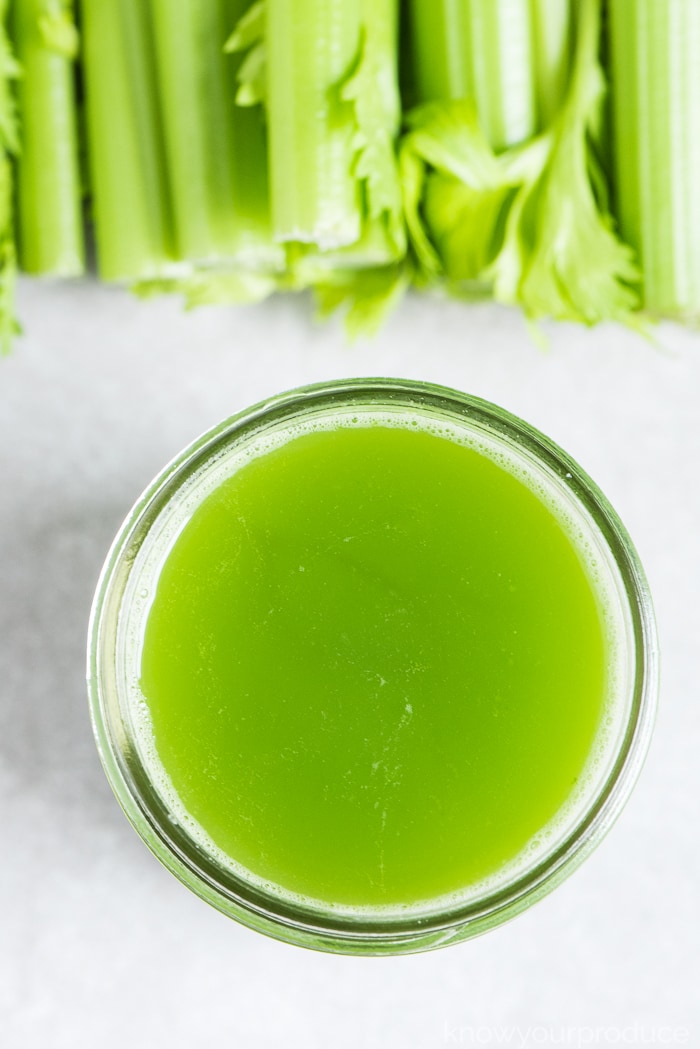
<point x="168" y="832"/>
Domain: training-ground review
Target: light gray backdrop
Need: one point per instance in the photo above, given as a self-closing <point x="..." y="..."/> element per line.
<point x="100" y="948"/>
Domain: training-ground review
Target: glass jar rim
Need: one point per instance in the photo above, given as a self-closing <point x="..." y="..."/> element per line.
<point x="328" y="929"/>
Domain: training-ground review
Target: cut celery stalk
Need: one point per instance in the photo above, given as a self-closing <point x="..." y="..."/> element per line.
<point x="50" y="219"/>
<point x="326" y="72"/>
<point x="216" y="150"/>
<point x="132" y="212"/>
<point x="9" y="148"/>
<point x="310" y="48"/>
<point x="655" y="73"/>
<point x="510" y="57"/>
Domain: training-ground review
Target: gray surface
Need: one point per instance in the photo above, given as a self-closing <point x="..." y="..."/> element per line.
<point x="99" y="946"/>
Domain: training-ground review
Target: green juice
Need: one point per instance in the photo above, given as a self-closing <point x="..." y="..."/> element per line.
<point x="375" y="662"/>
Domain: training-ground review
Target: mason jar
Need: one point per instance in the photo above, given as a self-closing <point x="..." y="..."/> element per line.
<point x="128" y="739"/>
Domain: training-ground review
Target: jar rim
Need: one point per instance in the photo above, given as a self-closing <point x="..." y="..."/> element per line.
<point x="329" y="929"/>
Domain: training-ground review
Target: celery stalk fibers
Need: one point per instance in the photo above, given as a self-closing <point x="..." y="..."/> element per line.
<point x="654" y="48"/>
<point x="50" y="218"/>
<point x="132" y="211"/>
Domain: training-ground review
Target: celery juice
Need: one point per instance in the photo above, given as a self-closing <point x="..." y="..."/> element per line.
<point x="375" y="659"/>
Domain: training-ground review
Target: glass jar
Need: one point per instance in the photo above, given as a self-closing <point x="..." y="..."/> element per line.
<point x="116" y="629"/>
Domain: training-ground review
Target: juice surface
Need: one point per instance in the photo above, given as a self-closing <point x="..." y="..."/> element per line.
<point x="375" y="666"/>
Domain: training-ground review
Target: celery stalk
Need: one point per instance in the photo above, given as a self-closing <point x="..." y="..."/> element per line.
<point x="326" y="71"/>
<point x="9" y="148"/>
<point x="654" y="48"/>
<point x="311" y="45"/>
<point x="510" y="57"/>
<point x="531" y="222"/>
<point x="216" y="151"/>
<point x="50" y="220"/>
<point x="553" y="39"/>
<point x="134" y="228"/>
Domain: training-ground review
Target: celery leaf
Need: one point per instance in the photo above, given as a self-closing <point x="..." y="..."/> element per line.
<point x="371" y="89"/>
<point x="467" y="225"/>
<point x="572" y="264"/>
<point x="457" y="192"/>
<point x="366" y="297"/>
<point x="58" y="30"/>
